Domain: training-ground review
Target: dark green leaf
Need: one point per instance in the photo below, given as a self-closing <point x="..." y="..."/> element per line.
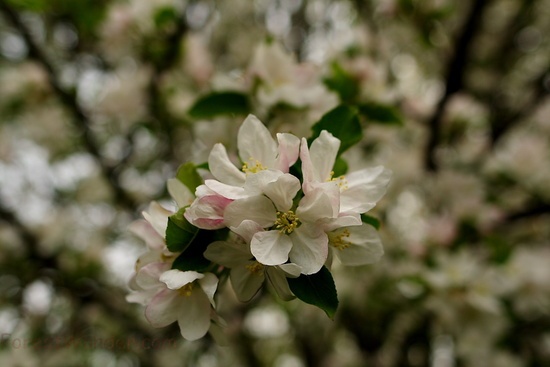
<point x="381" y="113"/>
<point x="192" y="258"/>
<point x="343" y="123"/>
<point x="317" y="289"/>
<point x="179" y="232"/>
<point x="220" y="103"/>
<point x="375" y="222"/>
<point x="188" y="175"/>
<point x="165" y="16"/>
<point x="343" y="83"/>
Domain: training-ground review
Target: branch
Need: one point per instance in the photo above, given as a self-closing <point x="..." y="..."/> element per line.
<point x="69" y="101"/>
<point x="454" y="78"/>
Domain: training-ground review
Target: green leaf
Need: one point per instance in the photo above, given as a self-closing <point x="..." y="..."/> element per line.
<point x="220" y="103"/>
<point x="343" y="123"/>
<point x="343" y="83"/>
<point x="317" y="289"/>
<point x="192" y="258"/>
<point x="380" y="113"/>
<point x="375" y="222"/>
<point x="188" y="175"/>
<point x="165" y="16"/>
<point x="340" y="167"/>
<point x="179" y="232"/>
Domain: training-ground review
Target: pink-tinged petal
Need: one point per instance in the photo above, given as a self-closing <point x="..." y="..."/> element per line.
<point x="247" y="229"/>
<point x="365" y="246"/>
<point x="323" y="153"/>
<point x="245" y="282"/>
<point x="175" y="279"/>
<point x="148" y="276"/>
<point x="256" y="208"/>
<point x="158" y="217"/>
<point x="320" y="203"/>
<point x="255" y="143"/>
<point x="222" y="168"/>
<point x="364" y="188"/>
<point x="179" y="192"/>
<point x="309" y="248"/>
<point x="229" y="254"/>
<point x="207" y="212"/>
<point x="163" y="308"/>
<point x="308" y="170"/>
<point x="289" y="150"/>
<point x="147" y="233"/>
<point x="227" y="191"/>
<point x="283" y="191"/>
<point x="209" y="284"/>
<point x="343" y="220"/>
<point x="194" y="315"/>
<point x="141" y="297"/>
<point x="271" y="247"/>
<point x="278" y="281"/>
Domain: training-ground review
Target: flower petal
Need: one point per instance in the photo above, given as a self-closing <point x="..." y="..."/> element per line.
<point x="194" y="315"/>
<point x="318" y="160"/>
<point x="255" y="143"/>
<point x="175" y="279"/>
<point x="309" y="248"/>
<point x="144" y="230"/>
<point x="149" y="275"/>
<point x="163" y="308"/>
<point x="222" y="168"/>
<point x="256" y="208"/>
<point x="365" y="188"/>
<point x="278" y="280"/>
<point x="209" y="284"/>
<point x="158" y="217"/>
<point x="245" y="282"/>
<point x="207" y="212"/>
<point x="228" y="254"/>
<point x="319" y="203"/>
<point x="270" y="247"/>
<point x="289" y="150"/>
<point x="227" y="191"/>
<point x="365" y="246"/>
<point x="179" y="192"/>
<point x="247" y="229"/>
<point x="283" y="191"/>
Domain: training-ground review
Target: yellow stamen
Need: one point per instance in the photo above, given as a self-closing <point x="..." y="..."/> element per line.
<point x="257" y="167"/>
<point x="186" y="290"/>
<point x="255" y="268"/>
<point x="286" y="222"/>
<point x="337" y="239"/>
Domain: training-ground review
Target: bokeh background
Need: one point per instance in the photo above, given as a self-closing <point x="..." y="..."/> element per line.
<point x="96" y="113"/>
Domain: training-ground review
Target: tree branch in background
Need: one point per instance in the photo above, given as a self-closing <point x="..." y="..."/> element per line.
<point x="69" y="101"/>
<point x="454" y="78"/>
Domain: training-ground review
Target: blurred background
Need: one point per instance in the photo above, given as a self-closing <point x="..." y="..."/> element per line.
<point x="101" y="101"/>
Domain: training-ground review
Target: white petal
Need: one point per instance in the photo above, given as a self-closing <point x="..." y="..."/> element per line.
<point x="256" y="182"/>
<point x="209" y="284"/>
<point x="256" y="208"/>
<point x="222" y="168"/>
<point x="163" y="308"/>
<point x="291" y="270"/>
<point x="278" y="280"/>
<point x="365" y="188"/>
<point x="207" y="212"/>
<point x="158" y="217"/>
<point x="365" y="246"/>
<point x="247" y="229"/>
<point x="229" y="254"/>
<point x="289" y="150"/>
<point x="319" y="203"/>
<point x="144" y="230"/>
<point x="227" y="191"/>
<point x="246" y="283"/>
<point x="320" y="158"/>
<point x="194" y="315"/>
<point x="283" y="191"/>
<point x="309" y="248"/>
<point x="175" y="279"/>
<point x="255" y="143"/>
<point x="343" y="220"/>
<point x="179" y="192"/>
<point x="271" y="247"/>
<point x="149" y="275"/>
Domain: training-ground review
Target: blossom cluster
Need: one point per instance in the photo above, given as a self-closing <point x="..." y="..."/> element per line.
<point x="279" y="217"/>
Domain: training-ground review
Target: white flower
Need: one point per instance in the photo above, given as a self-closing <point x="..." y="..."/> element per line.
<point x="247" y="274"/>
<point x="187" y="298"/>
<point x="356" y="245"/>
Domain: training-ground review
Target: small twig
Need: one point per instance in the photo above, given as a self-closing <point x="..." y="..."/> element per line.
<point x="454" y="78"/>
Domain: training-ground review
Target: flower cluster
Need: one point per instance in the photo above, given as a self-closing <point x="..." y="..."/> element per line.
<point x="279" y="216"/>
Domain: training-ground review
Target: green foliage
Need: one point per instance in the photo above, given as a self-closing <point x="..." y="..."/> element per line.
<point x="192" y="258"/>
<point x="340" y="167"/>
<point x="343" y="123"/>
<point x="220" y="103"/>
<point x="343" y="83"/>
<point x="317" y="289"/>
<point x="380" y="113"/>
<point x="188" y="175"/>
<point x="179" y="232"/>
<point x="375" y="222"/>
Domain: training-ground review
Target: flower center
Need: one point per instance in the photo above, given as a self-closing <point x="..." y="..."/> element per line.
<point x="286" y="222"/>
<point x="186" y="290"/>
<point x="340" y="181"/>
<point x="338" y="239"/>
<point x="255" y="268"/>
<point x="257" y="167"/>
